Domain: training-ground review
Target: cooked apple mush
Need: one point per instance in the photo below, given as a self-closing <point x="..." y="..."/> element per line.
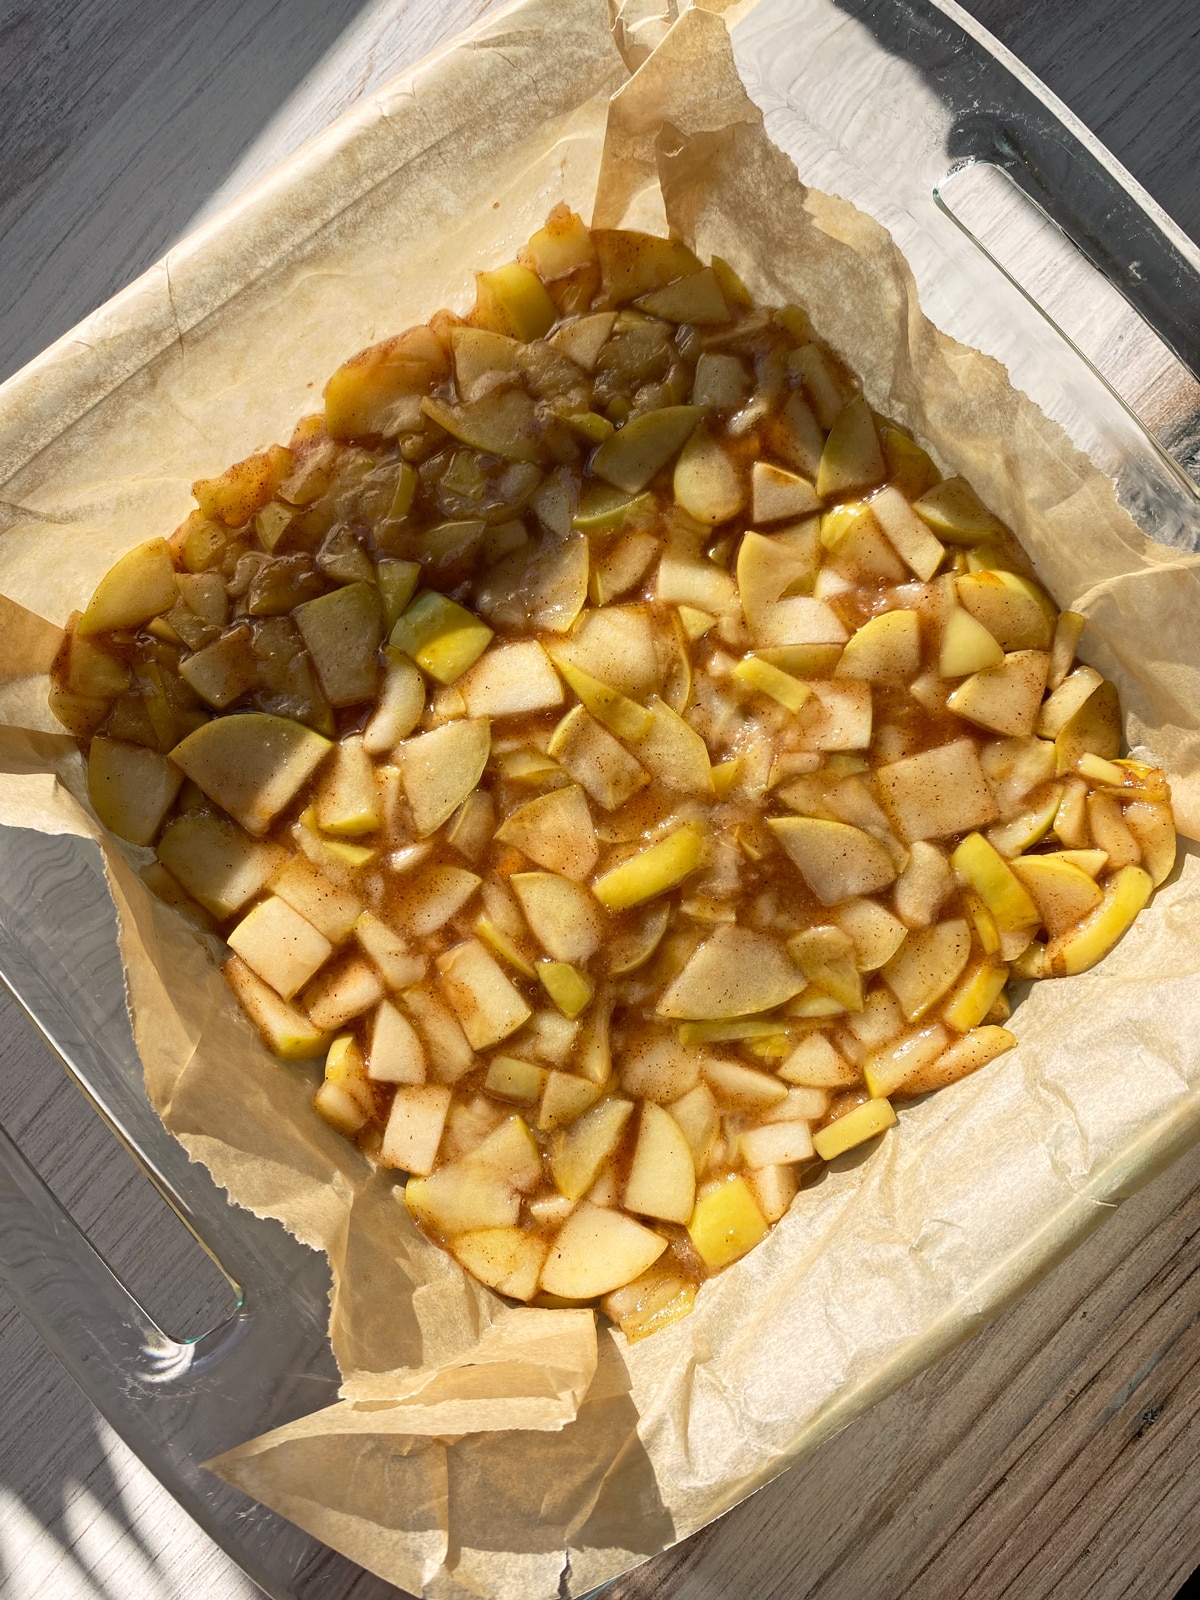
<point x="620" y="755"/>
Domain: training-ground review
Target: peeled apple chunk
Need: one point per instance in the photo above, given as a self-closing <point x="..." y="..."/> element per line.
<point x="613" y="752"/>
<point x="598" y="1250"/>
<point x="252" y="764"/>
<point x="735" y="973"/>
<point x="837" y="861"/>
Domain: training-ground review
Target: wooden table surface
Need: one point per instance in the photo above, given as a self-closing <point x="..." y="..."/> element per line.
<point x="1054" y="1454"/>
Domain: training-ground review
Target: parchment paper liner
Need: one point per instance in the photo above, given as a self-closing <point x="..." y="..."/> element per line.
<point x="481" y="1450"/>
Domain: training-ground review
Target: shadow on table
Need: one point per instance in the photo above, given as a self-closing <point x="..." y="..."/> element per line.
<point x="117" y="122"/>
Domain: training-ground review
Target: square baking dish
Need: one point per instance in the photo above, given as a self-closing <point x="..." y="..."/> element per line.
<point x="886" y="102"/>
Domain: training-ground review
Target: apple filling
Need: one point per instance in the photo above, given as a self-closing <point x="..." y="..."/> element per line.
<point x="620" y="756"/>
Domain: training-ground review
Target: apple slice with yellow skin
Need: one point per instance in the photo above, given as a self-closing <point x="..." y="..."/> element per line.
<point x="569" y="988"/>
<point x="1125" y="894"/>
<point x="512" y="300"/>
<point x="1007" y="698"/>
<point x="131" y="788"/>
<point x="967" y="646"/>
<point x="1152" y="824"/>
<point x="577" y="1152"/>
<point x="1063" y="893"/>
<point x="852" y="458"/>
<point x="837" y="861"/>
<point x="984" y="869"/>
<point x="139" y="586"/>
<point x="886" y="649"/>
<point x="659" y="1297"/>
<point x="442" y="637"/>
<point x="887" y="1068"/>
<point x="734" y="973"/>
<point x="349" y="803"/>
<point x="556" y="831"/>
<point x="1017" y="614"/>
<point x="772" y="681"/>
<point x="609" y="706"/>
<point x="629" y="458"/>
<point x="656" y="870"/>
<point x="365" y="397"/>
<point x="598" y="1250"/>
<point x="855" y="1128"/>
<point x="975" y="995"/>
<point x="956" y="513"/>
<point x="1030" y="825"/>
<point x="1058" y="708"/>
<point x="562" y="915"/>
<point x="707" y="484"/>
<point x="252" y="764"/>
<point x="927" y="964"/>
<point x="632" y="949"/>
<point x="633" y="264"/>
<point x="964" y="1056"/>
<point x="285" y="1030"/>
<point x="662" y="1176"/>
<point x="1068" y="631"/>
<point x="726" y="1222"/>
<point x="1095" y="729"/>
<point x="440" y="769"/>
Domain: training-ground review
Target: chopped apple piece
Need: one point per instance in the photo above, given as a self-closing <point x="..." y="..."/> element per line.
<point x="769" y="565"/>
<point x="854" y="1128"/>
<point x="653" y="871"/>
<point x="908" y="533"/>
<point x="1062" y="892"/>
<point x="743" y="1088"/>
<point x="976" y="995"/>
<point x="395" y="1053"/>
<point x="1014" y="610"/>
<point x="875" y="933"/>
<point x="449" y="1055"/>
<point x="1089" y="941"/>
<point x="564" y="917"/>
<point x="781" y="686"/>
<point x="708" y="485"/>
<point x="441" y="768"/>
<point x="486" y="1002"/>
<point x="348" y="803"/>
<point x="1095" y="729"/>
<point x="252" y="765"/>
<point x="556" y="831"/>
<point x="366" y="396"/>
<point x="345" y="1099"/>
<point x="331" y="909"/>
<point x="673" y="752"/>
<point x="1068" y="631"/>
<point x="1152" y="824"/>
<point x="777" y="494"/>
<point x="887" y="649"/>
<point x="696" y="1114"/>
<point x="342" y="993"/>
<point x="141" y="585"/>
<point x="774" y="1189"/>
<point x="510" y="681"/>
<point x="131" y="788"/>
<point x="721" y="381"/>
<point x="459" y="1197"/>
<point x="927" y="965"/>
<point x="634" y="264"/>
<point x="512" y="1078"/>
<point x="726" y="1222"/>
<point x="922" y="887"/>
<point x="967" y="646"/>
<point x="984" y="869"/>
<point x="401" y="703"/>
<point x="342" y="631"/>
<point x="223" y="671"/>
<point x="941" y="791"/>
<point x="662" y="1176"/>
<point x="608" y="705"/>
<point x="597" y="761"/>
<point x="216" y="862"/>
<point x="1005" y="698"/>
<point x="632" y="949"/>
<point x="570" y="989"/>
<point x="582" y="339"/>
<point x="508" y="1260"/>
<point x="1059" y="707"/>
<point x="838" y="716"/>
<point x="796" y="620"/>
<point x="579" y="1151"/>
<point x="965" y="1055"/>
<point x="828" y="959"/>
<point x="695" y="299"/>
<point x="285" y="1031"/>
<point x="280" y="946"/>
<point x="956" y="514"/>
<point x="598" y="1250"/>
<point x="775" y="1144"/>
<point x="632" y="455"/>
<point x="442" y="637"/>
<point x="652" y="1302"/>
<point x="565" y="1097"/>
<point x="815" y="1064"/>
<point x="734" y="973"/>
<point x="837" y="861"/>
<point x="852" y="458"/>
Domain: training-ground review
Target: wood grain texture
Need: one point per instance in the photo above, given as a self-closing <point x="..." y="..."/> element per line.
<point x="1050" y="1456"/>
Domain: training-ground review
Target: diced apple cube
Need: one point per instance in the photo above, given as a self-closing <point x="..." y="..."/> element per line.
<point x="726" y="1222"/>
<point x="398" y="965"/>
<point x="838" y="716"/>
<point x="331" y="909"/>
<point x="565" y="1097"/>
<point x="815" y="1064"/>
<point x="449" y="1055"/>
<point x="514" y="1079"/>
<point x="855" y="1128"/>
<point x="775" y="1144"/>
<point x="280" y="946"/>
<point x="774" y="1189"/>
<point x="344" y="992"/>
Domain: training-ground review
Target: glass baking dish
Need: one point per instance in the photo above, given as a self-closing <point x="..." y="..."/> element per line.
<point x="886" y="102"/>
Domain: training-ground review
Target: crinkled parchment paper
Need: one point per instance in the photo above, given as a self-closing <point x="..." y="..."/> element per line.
<point x="477" y="1449"/>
